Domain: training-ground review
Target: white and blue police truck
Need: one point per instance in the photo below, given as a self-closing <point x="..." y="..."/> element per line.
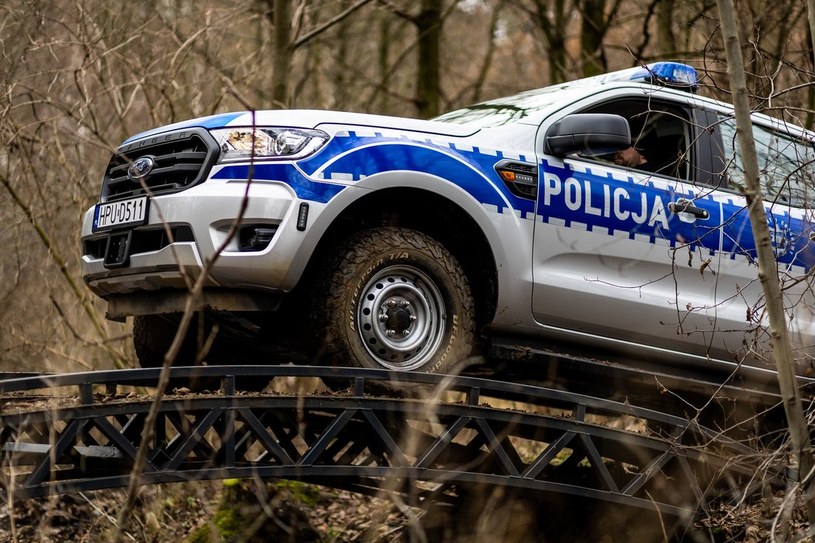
<point x="603" y="214"/>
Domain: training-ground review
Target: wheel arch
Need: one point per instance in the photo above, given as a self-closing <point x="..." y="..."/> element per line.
<point x="428" y="212"/>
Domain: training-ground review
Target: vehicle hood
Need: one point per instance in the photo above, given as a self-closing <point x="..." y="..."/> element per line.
<point x="310" y="118"/>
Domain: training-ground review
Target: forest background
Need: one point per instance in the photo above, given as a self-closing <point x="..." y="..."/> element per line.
<point x="79" y="76"/>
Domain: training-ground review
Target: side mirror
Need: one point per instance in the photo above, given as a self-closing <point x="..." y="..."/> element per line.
<point x="589" y="134"/>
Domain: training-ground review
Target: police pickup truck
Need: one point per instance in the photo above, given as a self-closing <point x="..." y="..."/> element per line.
<point x="604" y="214"/>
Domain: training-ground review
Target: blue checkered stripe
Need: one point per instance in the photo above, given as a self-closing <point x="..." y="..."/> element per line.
<point x="611" y="202"/>
<point x="352" y="156"/>
<point x="604" y="200"/>
<point x="790" y="231"/>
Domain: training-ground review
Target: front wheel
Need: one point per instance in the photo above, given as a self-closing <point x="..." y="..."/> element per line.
<point x="396" y="299"/>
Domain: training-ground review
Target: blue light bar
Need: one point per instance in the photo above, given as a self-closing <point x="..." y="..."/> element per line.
<point x="669" y="74"/>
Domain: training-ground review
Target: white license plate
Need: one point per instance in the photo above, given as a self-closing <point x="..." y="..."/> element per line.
<point x="131" y="212"/>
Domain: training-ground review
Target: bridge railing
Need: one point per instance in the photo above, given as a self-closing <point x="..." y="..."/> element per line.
<point x="81" y="431"/>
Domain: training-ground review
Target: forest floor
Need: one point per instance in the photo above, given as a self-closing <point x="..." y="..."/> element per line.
<point x="194" y="513"/>
<point x="175" y="513"/>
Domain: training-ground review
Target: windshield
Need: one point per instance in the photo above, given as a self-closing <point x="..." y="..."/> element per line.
<point x="513" y="109"/>
<point x="501" y="111"/>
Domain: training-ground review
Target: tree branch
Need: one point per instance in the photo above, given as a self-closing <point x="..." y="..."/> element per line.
<point x="397" y="11"/>
<point x="328" y="24"/>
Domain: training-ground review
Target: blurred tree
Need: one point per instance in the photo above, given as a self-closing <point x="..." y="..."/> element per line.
<point x="80" y="76"/>
<point x="596" y="18"/>
<point x="486" y="64"/>
<point x="281" y="17"/>
<point x="666" y="38"/>
<point x="428" y="24"/>
<point x="768" y="272"/>
<point x="428" y="82"/>
<point x="552" y="18"/>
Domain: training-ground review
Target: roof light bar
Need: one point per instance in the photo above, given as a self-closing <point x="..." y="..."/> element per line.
<point x="669" y="74"/>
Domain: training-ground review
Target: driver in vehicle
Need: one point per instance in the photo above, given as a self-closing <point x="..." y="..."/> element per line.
<point x="631" y="158"/>
<point x="634" y="157"/>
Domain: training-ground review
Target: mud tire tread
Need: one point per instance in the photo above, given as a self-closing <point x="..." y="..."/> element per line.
<point x="349" y="269"/>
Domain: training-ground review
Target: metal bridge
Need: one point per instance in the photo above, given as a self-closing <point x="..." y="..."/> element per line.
<point x="77" y="432"/>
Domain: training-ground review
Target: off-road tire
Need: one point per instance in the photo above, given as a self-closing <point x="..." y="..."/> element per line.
<point x="152" y="337"/>
<point x="395" y="298"/>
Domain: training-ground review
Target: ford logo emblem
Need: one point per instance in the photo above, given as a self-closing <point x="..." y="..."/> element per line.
<point x="140" y="168"/>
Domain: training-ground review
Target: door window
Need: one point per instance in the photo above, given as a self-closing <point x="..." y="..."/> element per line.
<point x="660" y="134"/>
<point x="786" y="165"/>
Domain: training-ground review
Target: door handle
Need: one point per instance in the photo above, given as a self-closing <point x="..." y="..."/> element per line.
<point x="686" y="206"/>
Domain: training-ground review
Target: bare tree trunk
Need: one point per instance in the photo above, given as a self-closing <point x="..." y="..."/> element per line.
<point x="282" y="53"/>
<point x="592" y="31"/>
<point x="428" y="23"/>
<point x="309" y="88"/>
<point x="596" y="20"/>
<point x="340" y="73"/>
<point x="811" y="45"/>
<point x="552" y="19"/>
<point x="428" y="81"/>
<point x="383" y="59"/>
<point x="666" y="42"/>
<point x="767" y="266"/>
<point x="487" y="62"/>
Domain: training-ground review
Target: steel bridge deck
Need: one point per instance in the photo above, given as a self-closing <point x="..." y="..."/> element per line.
<point x="82" y="432"/>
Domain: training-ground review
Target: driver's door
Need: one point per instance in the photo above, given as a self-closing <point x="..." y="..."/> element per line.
<point x="630" y="256"/>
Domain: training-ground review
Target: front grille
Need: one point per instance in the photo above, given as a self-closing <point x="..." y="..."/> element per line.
<point x="179" y="160"/>
<point x="143" y="241"/>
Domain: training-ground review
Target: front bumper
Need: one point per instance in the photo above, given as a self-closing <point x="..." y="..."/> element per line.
<point x="208" y="211"/>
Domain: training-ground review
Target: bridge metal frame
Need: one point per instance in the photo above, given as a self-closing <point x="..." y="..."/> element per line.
<point x="448" y="434"/>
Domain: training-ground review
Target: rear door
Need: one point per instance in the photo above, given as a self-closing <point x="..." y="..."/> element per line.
<point x="786" y="172"/>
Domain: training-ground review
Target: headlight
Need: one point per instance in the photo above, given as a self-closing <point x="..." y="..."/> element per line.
<point x="267" y="143"/>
